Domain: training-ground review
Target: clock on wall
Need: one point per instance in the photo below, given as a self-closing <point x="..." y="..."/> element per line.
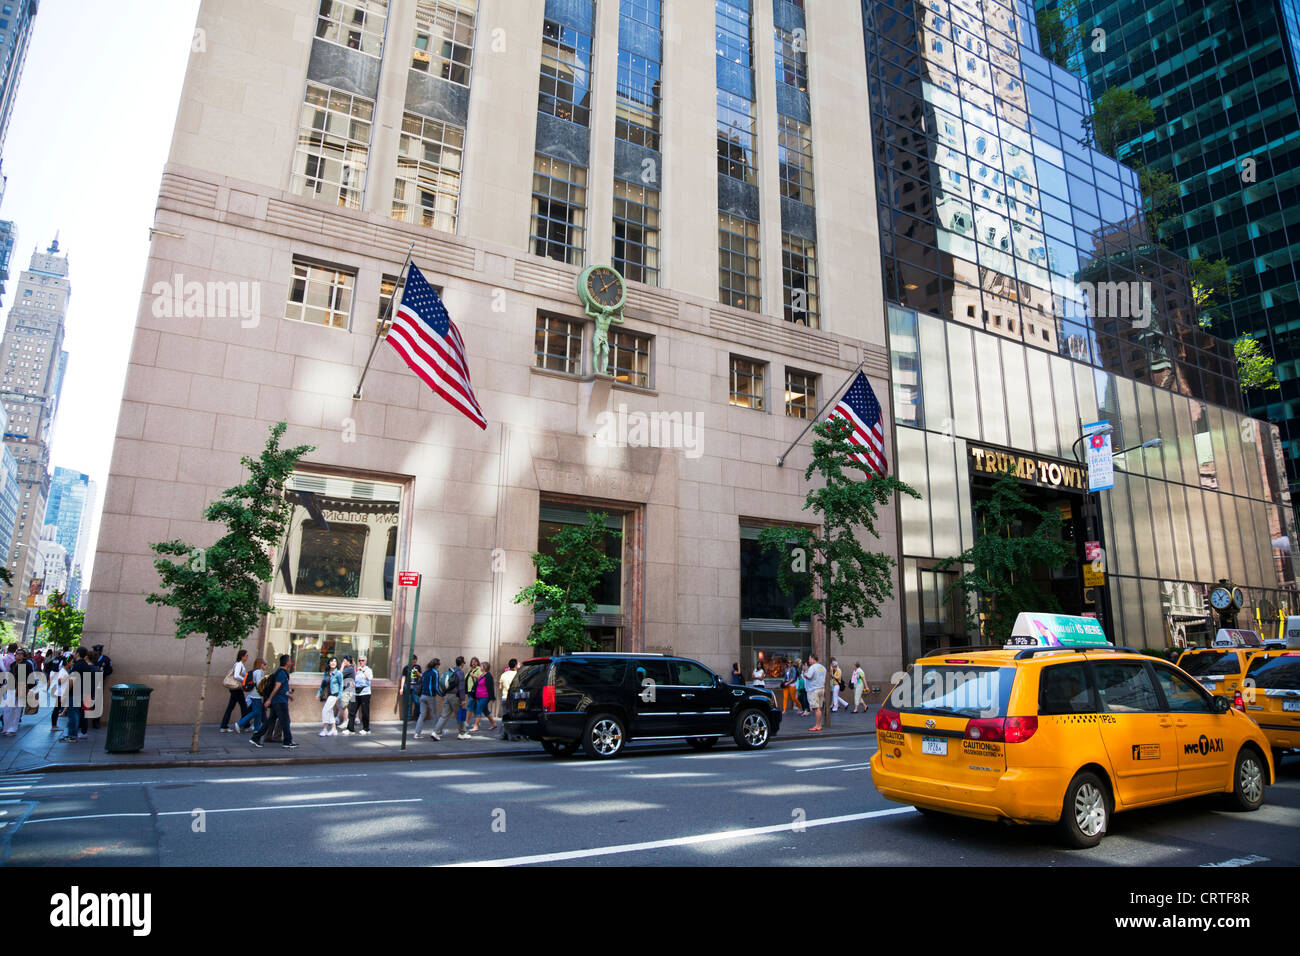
<point x="603" y="293"/>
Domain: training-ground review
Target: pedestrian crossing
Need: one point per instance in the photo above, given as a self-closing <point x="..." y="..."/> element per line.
<point x="14" y="785"/>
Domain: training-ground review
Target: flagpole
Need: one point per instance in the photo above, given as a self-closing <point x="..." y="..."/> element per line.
<point x="780" y="462"/>
<point x="387" y="320"/>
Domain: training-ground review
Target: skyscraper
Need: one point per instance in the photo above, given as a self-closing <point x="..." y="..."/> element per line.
<point x="8" y="237"/>
<point x="16" y="21"/>
<point x="68" y="511"/>
<point x="34" y="363"/>
<point x="1224" y="84"/>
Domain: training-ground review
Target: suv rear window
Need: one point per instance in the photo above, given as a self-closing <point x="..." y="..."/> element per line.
<point x="1276" y="673"/>
<point x="956" y="690"/>
<point x="1211" y="663"/>
<point x="580" y="674"/>
<point x="531" y="676"/>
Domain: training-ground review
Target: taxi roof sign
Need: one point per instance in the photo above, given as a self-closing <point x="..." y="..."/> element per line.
<point x="1236" y="637"/>
<point x="1033" y="629"/>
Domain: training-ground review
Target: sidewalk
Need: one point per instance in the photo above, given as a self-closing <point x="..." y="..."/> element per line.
<point x="37" y="749"/>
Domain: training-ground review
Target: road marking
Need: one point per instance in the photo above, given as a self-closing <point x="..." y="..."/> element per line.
<point x="723" y="835"/>
<point x="851" y="766"/>
<point x="1240" y="861"/>
<point x="187" y="813"/>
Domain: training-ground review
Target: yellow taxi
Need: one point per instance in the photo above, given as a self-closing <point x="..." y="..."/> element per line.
<point x="1061" y="727"/>
<point x="1221" y="667"/>
<point x="1271" y="695"/>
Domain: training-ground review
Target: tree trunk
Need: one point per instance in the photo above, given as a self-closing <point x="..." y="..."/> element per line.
<point x="203" y="695"/>
<point x="828" y="694"/>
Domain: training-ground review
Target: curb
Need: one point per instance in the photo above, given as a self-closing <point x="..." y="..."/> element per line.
<point x="349" y="758"/>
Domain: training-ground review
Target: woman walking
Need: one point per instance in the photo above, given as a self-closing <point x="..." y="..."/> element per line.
<point x="234" y="682"/>
<point x="859" y="681"/>
<point x="349" y="692"/>
<point x="59" y="692"/>
<point x="801" y="688"/>
<point x="331" y="686"/>
<point x="254" y="699"/>
<point x="837" y="678"/>
<point x="483" y="695"/>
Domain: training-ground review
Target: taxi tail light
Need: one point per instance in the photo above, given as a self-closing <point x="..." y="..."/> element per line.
<point x="548" y="699"/>
<point x="1008" y="730"/>
<point x="1238" y="702"/>
<point x="887" y="719"/>
<point x="1020" y="729"/>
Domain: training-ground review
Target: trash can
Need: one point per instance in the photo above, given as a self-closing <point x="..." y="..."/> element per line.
<point x="126" y="718"/>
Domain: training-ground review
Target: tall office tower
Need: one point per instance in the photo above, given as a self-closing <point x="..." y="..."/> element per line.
<point x="16" y="22"/>
<point x="8" y="237"/>
<point x="8" y="506"/>
<point x="34" y="363"/>
<point x="68" y="511"/>
<point x="1223" y="78"/>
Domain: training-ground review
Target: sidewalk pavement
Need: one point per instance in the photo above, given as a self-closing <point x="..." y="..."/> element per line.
<point x="37" y="749"/>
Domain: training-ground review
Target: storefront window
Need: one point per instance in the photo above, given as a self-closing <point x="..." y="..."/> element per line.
<point x="760" y="591"/>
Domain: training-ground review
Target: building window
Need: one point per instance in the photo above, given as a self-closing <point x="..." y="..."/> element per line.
<point x="333" y="587"/>
<point x="794" y="150"/>
<point x="636" y="232"/>
<point x="629" y="355"/>
<point x="747" y="383"/>
<point x="799" y="280"/>
<point x="738" y="262"/>
<point x="321" y="295"/>
<point x="427" y="190"/>
<point x="564" y="90"/>
<point x="559" y="210"/>
<point x="736" y="137"/>
<point x="800" y="394"/>
<point x="386" y="288"/>
<point x="444" y="39"/>
<point x="791" y="58"/>
<point x="356" y="24"/>
<point x="637" y="109"/>
<point x="558" y="345"/>
<point x="333" y="143"/>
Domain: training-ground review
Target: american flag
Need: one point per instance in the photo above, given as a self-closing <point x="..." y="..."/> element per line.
<point x="860" y="409"/>
<point x="426" y="338"/>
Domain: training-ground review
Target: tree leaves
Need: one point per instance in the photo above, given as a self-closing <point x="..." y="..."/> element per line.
<point x="565" y="589"/>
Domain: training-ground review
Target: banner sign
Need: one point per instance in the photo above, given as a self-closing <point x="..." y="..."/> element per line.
<point x="1055" y="630"/>
<point x="1101" y="465"/>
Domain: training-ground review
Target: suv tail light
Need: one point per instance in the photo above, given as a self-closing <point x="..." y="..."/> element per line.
<point x="1009" y="730"/>
<point x="887" y="719"/>
<point x="548" y="699"/>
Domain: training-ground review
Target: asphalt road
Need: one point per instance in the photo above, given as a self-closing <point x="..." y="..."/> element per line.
<point x="794" y="803"/>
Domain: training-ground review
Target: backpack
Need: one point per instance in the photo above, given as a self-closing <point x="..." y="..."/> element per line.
<point x="249" y="683"/>
<point x="450" y="681"/>
<point x="266" y="683"/>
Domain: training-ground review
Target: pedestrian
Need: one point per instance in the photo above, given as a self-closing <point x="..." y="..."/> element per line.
<point x="331" y="686"/>
<point x="59" y="692"/>
<point x="837" y="681"/>
<point x="736" y="676"/>
<point x="362" y="678"/>
<point x="453" y="699"/>
<point x="349" y="694"/>
<point x="789" y="692"/>
<point x="484" y="693"/>
<point x="234" y="682"/>
<point x="80" y="694"/>
<point x="859" y="681"/>
<point x="253" y="698"/>
<point x="103" y="664"/>
<point x="430" y="691"/>
<point x="278" y="696"/>
<point x="504" y="681"/>
<point x="14" y="689"/>
<point x="408" y="689"/>
<point x="758" y="675"/>
<point x="801" y="688"/>
<point x="814" y="676"/>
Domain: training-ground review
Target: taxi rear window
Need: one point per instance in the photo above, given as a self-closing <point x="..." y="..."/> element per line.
<point x="1276" y="673"/>
<point x="1211" y="663"/>
<point x="958" y="690"/>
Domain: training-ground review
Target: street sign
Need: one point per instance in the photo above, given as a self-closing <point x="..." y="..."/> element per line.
<point x="408" y="579"/>
<point x="1093" y="578"/>
<point x="1092" y="551"/>
<point x="1101" y="465"/>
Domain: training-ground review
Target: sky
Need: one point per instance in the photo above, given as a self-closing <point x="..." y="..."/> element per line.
<point x="84" y="156"/>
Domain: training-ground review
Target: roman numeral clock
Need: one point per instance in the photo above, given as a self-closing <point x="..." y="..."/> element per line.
<point x="603" y="293"/>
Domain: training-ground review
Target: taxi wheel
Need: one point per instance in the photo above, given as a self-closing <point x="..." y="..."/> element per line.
<point x="1248" y="780"/>
<point x="1085" y="815"/>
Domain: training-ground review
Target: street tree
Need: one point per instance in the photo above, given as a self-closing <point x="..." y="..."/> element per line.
<point x="217" y="591"/>
<point x="62" y="622"/>
<point x="1015" y="542"/>
<point x="565" y="589"/>
<point x="842" y="582"/>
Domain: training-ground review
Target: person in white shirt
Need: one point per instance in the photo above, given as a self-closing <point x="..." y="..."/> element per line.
<point x="59" y="692"/>
<point x="859" y="681"/>
<point x="504" y="681"/>
<point x="758" y="675"/>
<point x="239" y="670"/>
<point x="814" y="676"/>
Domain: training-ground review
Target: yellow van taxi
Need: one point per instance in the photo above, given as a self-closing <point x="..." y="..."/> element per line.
<point x="1061" y="735"/>
<point x="1272" y="697"/>
<point x="1219" y="669"/>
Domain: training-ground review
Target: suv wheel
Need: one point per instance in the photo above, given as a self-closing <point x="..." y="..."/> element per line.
<point x="604" y="737"/>
<point x="1248" y="780"/>
<point x="560" y="748"/>
<point x="702" y="743"/>
<point x="1085" y="815"/>
<point x="753" y="730"/>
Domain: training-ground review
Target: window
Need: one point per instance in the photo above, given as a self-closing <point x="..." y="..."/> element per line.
<point x="319" y="294"/>
<point x="1182" y="695"/>
<point x="791" y="58"/>
<point x="333" y="143"/>
<point x="747" y="383"/>
<point x="800" y="394"/>
<point x="444" y="39"/>
<point x="637" y="107"/>
<point x="691" y="674"/>
<point x="356" y="24"/>
<point x="629" y="355"/>
<point x="1125" y="687"/>
<point x="799" y="280"/>
<point x="564" y="90"/>
<point x="736" y="137"/>
<point x="386" y="288"/>
<point x="427" y="190"/>
<point x="636" y="232"/>
<point x="559" y="210"/>
<point x="738" y="262"/>
<point x="794" y="150"/>
<point x="558" y="345"/>
<point x="1063" y="689"/>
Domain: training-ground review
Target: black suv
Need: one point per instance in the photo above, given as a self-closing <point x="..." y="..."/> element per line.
<point x="601" y="701"/>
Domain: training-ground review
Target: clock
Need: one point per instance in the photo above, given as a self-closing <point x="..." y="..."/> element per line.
<point x="1221" y="599"/>
<point x="602" y="289"/>
<point x="1238" y="598"/>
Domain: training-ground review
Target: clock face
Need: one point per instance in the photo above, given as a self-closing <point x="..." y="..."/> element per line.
<point x="604" y="287"/>
<point x="1220" y="598"/>
<point x="1238" y="597"/>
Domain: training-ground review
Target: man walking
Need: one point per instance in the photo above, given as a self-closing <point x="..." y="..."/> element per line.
<point x="814" y="676"/>
<point x="789" y="694"/>
<point x="453" y="699"/>
<point x="277" y="699"/>
<point x="430" y="691"/>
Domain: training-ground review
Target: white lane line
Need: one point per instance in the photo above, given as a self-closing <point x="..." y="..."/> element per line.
<point x="851" y="766"/>
<point x="187" y="813"/>
<point x="684" y="841"/>
<point x="1240" y="861"/>
<point x="100" y="784"/>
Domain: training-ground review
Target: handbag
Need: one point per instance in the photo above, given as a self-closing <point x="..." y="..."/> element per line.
<point x="231" y="682"/>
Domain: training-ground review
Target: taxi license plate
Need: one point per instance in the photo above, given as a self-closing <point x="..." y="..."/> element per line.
<point x="1291" y="705"/>
<point x="935" y="745"/>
